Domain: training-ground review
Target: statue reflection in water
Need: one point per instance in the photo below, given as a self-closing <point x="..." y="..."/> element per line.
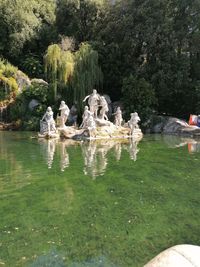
<point x="95" y="160"/>
<point x="133" y="149"/>
<point x="64" y="157"/>
<point x="48" y="148"/>
<point x="94" y="153"/>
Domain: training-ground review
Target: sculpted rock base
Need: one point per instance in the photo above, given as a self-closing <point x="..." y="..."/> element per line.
<point x="103" y="132"/>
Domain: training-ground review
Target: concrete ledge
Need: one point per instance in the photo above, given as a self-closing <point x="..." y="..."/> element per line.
<point x="177" y="256"/>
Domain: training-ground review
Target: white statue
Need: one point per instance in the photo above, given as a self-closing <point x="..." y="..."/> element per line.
<point x="91" y="125"/>
<point x="133" y="122"/>
<point x="64" y="113"/>
<point x="93" y="102"/>
<point x="118" y="117"/>
<point x="47" y="123"/>
<point x="104" y="108"/>
<point x="85" y="116"/>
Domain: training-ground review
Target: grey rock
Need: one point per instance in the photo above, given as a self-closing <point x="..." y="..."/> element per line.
<point x="172" y="126"/>
<point x="39" y="81"/>
<point x="32" y="104"/>
<point x="22" y="80"/>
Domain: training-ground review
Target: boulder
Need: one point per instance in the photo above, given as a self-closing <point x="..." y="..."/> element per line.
<point x="172" y="126"/>
<point x="179" y="127"/>
<point x="180" y="255"/>
<point x="39" y="81"/>
<point x="22" y="80"/>
<point x="32" y="104"/>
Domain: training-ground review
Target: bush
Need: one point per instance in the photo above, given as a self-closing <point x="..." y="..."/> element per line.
<point x="36" y="91"/>
<point x="20" y="110"/>
<point x="139" y="96"/>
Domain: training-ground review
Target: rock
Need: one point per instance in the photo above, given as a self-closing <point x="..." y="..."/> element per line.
<point x="103" y="132"/>
<point x="32" y="104"/>
<point x="180" y="255"/>
<point x="173" y="126"/>
<point x="22" y="80"/>
<point x="102" y="122"/>
<point x="179" y="127"/>
<point x="39" y="81"/>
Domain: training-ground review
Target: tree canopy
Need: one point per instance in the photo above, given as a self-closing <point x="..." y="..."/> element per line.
<point x="155" y="41"/>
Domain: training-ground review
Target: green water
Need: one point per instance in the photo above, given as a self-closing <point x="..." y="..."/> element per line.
<point x="95" y="204"/>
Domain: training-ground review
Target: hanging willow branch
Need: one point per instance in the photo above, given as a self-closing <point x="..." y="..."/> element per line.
<point x="87" y="73"/>
<point x="66" y="66"/>
<point x="52" y="63"/>
<point x="79" y="69"/>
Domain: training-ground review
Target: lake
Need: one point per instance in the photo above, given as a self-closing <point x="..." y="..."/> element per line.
<point x="105" y="203"/>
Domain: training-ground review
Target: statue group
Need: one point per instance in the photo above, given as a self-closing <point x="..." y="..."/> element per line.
<point x="95" y="123"/>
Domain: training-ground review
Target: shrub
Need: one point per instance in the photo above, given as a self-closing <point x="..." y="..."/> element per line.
<point x="139" y="96"/>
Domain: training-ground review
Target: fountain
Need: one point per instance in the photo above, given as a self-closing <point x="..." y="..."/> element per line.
<point x="95" y="123"/>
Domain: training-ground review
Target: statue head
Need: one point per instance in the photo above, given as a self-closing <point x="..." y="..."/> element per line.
<point x="49" y="109"/>
<point x="94" y="91"/>
<point x="62" y="103"/>
<point x="86" y="108"/>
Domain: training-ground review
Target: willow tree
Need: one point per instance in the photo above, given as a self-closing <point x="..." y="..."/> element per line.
<point x="87" y="73"/>
<point x="59" y="66"/>
<point x="52" y="63"/>
<point x="66" y="68"/>
<point x="78" y="70"/>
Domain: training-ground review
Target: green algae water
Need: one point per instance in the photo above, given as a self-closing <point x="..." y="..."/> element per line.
<point x="110" y="203"/>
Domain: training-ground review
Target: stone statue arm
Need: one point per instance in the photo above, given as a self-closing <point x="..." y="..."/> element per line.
<point x="43" y="116"/>
<point x="86" y="98"/>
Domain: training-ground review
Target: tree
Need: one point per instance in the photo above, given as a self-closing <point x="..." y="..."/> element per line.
<point x="22" y="22"/>
<point x="59" y="65"/>
<point x="139" y="96"/>
<point x="77" y="72"/>
<point x="87" y="73"/>
<point x="79" y="18"/>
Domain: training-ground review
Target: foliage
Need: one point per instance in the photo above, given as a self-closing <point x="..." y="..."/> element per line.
<point x="87" y="73"/>
<point x="21" y="22"/>
<point x="8" y="84"/>
<point x="157" y="40"/>
<point x="82" y="18"/>
<point x="20" y="109"/>
<point x="77" y="73"/>
<point x="32" y="66"/>
<point x="139" y="96"/>
<point x="59" y="66"/>
<point x="52" y="63"/>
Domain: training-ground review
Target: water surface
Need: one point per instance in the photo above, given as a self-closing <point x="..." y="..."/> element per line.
<point x="114" y="204"/>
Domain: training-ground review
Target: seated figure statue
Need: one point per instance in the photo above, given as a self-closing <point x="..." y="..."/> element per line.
<point x="64" y="113"/>
<point x="47" y="123"/>
<point x="133" y="122"/>
<point x="118" y="117"/>
<point x="93" y="102"/>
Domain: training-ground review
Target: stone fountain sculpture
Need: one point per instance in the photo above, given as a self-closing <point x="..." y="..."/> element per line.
<point x="93" y="102"/>
<point x="48" y="125"/>
<point x="64" y="113"/>
<point x="95" y="123"/>
<point x="118" y="117"/>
